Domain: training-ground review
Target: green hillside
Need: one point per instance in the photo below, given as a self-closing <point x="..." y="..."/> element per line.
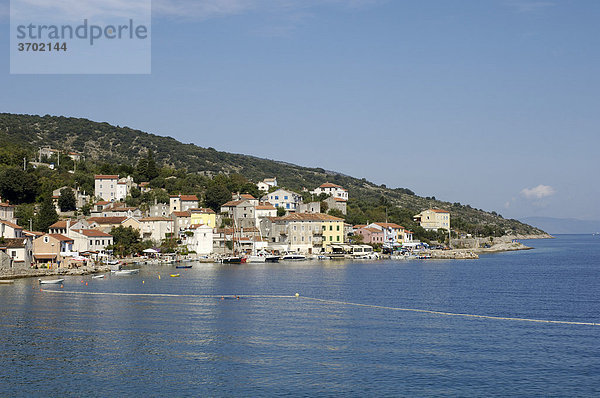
<point x="104" y="145"/>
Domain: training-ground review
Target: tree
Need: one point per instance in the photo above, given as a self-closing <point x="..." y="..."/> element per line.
<point x="151" y="170"/>
<point x="280" y="211"/>
<point x="46" y="216"/>
<point x="336" y="213"/>
<point x="125" y="240"/>
<point x="216" y="195"/>
<point x="24" y="213"/>
<point x="66" y="202"/>
<point x="18" y="186"/>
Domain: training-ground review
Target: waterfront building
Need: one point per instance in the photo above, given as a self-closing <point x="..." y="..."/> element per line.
<point x="241" y="211"/>
<point x="156" y="228"/>
<point x="393" y="234"/>
<point x="10" y="230"/>
<point x="433" y="219"/>
<point x="370" y="235"/>
<point x="19" y="250"/>
<point x="182" y="220"/>
<point x="53" y="250"/>
<point x="303" y="232"/>
<point x="90" y="240"/>
<point x="198" y="238"/>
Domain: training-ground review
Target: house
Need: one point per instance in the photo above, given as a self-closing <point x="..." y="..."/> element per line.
<point x="267" y="184"/>
<point x="19" y="250"/>
<point x="311" y="207"/>
<point x="7" y="212"/>
<point x="332" y="190"/>
<point x="105" y="223"/>
<point x="283" y="198"/>
<point x="393" y="234"/>
<point x="53" y="250"/>
<point x="370" y="235"/>
<point x="182" y="220"/>
<point x="182" y="202"/>
<point x="433" y="219"/>
<point x="241" y="211"/>
<point x="156" y="228"/>
<point x="198" y="238"/>
<point x="63" y="226"/>
<point x="47" y="152"/>
<point x="264" y="210"/>
<point x="334" y="202"/>
<point x="240" y="238"/>
<point x="10" y="230"/>
<point x="245" y="196"/>
<point x="90" y="240"/>
<point x="117" y="209"/>
<point x="100" y="206"/>
<point x="145" y="187"/>
<point x="105" y="187"/>
<point x="76" y="157"/>
<point x="203" y="216"/>
<point x="303" y="232"/>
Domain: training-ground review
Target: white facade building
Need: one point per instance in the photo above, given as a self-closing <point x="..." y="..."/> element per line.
<point x="283" y="198"/>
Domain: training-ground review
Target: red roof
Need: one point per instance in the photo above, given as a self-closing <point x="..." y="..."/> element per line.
<point x="202" y="210"/>
<point x="61" y="238"/>
<point x="186" y="198"/>
<point x="93" y="233"/>
<point x="182" y="213"/>
<point x="339" y="200"/>
<point x="266" y="206"/>
<point x="389" y="225"/>
<point x="13" y="243"/>
<point x="329" y="185"/>
<point x="106" y="177"/>
<point x="62" y="224"/>
<point x="439" y="211"/>
<point x="5" y="205"/>
<point x="14" y="226"/>
<point x="247" y="196"/>
<point x="107" y="220"/>
<point x="102" y="203"/>
<point x="232" y="203"/>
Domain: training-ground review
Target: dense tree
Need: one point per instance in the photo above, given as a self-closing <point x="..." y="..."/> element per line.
<point x="24" y="213"/>
<point x="216" y="195"/>
<point x="17" y="186"/>
<point x="125" y="240"/>
<point x="46" y="216"/>
<point x="66" y="201"/>
<point x="281" y="211"/>
<point x="151" y="170"/>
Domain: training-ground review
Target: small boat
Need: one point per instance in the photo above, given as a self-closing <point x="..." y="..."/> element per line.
<point x="256" y="259"/>
<point x="293" y="257"/>
<point x="174" y="275"/>
<point x="272" y="259"/>
<point x="98" y="276"/>
<point x="232" y="260"/>
<point x="6" y="281"/>
<point x="183" y="266"/>
<point x="127" y="272"/>
<point x="51" y="281"/>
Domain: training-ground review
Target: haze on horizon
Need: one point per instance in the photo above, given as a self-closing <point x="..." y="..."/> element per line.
<point x="493" y="103"/>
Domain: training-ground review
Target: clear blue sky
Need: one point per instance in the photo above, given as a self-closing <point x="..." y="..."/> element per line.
<point x="492" y="103"/>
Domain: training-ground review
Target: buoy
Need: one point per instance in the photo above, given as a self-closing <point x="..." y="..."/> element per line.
<point x="61" y="286"/>
<point x="143" y="282"/>
<point x="159" y="277"/>
<point x="297" y="294"/>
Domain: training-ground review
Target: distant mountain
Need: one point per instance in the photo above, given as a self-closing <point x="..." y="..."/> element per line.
<point x="104" y="143"/>
<point x="563" y="225"/>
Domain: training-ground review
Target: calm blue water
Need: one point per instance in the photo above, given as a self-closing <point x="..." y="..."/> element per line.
<point x="88" y="345"/>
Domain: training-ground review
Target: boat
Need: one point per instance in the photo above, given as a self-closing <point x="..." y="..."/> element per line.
<point x="183" y="266"/>
<point x="50" y="281"/>
<point x="174" y="275"/>
<point x="98" y="276"/>
<point x="127" y="272"/>
<point x="6" y="281"/>
<point x="233" y="260"/>
<point x="293" y="257"/>
<point x="271" y="258"/>
<point x="257" y="258"/>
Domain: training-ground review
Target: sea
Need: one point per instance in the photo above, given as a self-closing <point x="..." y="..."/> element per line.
<point x="460" y="328"/>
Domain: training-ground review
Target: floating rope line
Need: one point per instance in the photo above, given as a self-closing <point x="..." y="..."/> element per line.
<point x="450" y="313"/>
<point x="334" y="302"/>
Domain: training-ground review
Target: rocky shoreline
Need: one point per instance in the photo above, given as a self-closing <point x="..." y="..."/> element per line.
<point x="43" y="272"/>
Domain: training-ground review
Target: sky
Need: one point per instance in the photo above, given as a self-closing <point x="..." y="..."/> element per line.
<point x="494" y="103"/>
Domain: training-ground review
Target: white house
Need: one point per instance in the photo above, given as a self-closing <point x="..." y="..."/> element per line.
<point x="7" y="212"/>
<point x="10" y="230"/>
<point x="199" y="238"/>
<point x="283" y="198"/>
<point x="267" y="184"/>
<point x="331" y="189"/>
<point x="156" y="228"/>
<point x="105" y="187"/>
<point x="433" y="219"/>
<point x="90" y="240"/>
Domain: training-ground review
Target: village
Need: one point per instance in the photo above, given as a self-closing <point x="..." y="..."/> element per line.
<point x="278" y="223"/>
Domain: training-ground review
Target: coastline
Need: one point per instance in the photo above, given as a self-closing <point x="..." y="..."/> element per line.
<point x="43" y="272"/>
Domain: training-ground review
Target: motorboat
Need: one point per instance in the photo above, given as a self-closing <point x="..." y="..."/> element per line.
<point x="174" y="275"/>
<point x="293" y="257"/>
<point x="233" y="260"/>
<point x="127" y="272"/>
<point x="183" y="266"/>
<point x="50" y="281"/>
<point x="6" y="281"/>
<point x="98" y="276"/>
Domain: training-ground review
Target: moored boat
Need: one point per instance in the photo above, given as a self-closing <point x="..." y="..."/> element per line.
<point x="293" y="257"/>
<point x="183" y="266"/>
<point x="98" y="276"/>
<point x="50" y="281"/>
<point x="127" y="272"/>
<point x="6" y="281"/>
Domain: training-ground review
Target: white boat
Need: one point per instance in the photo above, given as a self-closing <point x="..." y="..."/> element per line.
<point x="6" y="281"/>
<point x="98" y="276"/>
<point x="293" y="257"/>
<point x="127" y="272"/>
<point x="51" y="281"/>
<point x="256" y="259"/>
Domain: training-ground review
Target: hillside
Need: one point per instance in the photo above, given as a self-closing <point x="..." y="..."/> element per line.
<point x="104" y="143"/>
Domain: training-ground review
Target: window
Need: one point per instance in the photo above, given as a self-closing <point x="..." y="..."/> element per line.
<point x="331" y="227"/>
<point x="330" y="238"/>
<point x="338" y="238"/>
<point x="285" y="197"/>
<point x="338" y="227"/>
<point x="276" y="197"/>
<point x="46" y="239"/>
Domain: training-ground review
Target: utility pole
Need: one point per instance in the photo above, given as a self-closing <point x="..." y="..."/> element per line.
<point x="31" y="224"/>
<point x="24" y="164"/>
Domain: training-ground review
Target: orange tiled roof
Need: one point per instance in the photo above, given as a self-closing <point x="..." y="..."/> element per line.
<point x="61" y="238"/>
<point x="389" y="225"/>
<point x="182" y="213"/>
<point x="93" y="233"/>
<point x="15" y="226"/>
<point x="106" y="177"/>
<point x="329" y="185"/>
